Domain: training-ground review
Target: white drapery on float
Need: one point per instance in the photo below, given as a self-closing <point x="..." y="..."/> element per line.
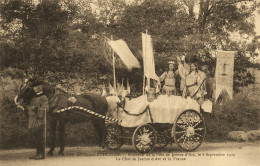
<point x="164" y="109"/>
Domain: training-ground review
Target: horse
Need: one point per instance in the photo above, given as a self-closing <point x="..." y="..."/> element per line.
<point x="59" y="99"/>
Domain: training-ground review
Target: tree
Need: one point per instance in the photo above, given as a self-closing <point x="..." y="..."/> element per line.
<point x="109" y="11"/>
<point x="40" y="34"/>
<point x="52" y="36"/>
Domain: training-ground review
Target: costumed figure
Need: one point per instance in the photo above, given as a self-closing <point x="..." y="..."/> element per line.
<point x="169" y="78"/>
<point x="37" y="109"/>
<point x="183" y="71"/>
<point x="209" y="83"/>
<point x="195" y="84"/>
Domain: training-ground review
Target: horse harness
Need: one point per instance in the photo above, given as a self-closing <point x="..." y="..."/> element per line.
<point x="73" y="100"/>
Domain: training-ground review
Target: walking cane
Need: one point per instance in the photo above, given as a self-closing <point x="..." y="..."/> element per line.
<point x="44" y="132"/>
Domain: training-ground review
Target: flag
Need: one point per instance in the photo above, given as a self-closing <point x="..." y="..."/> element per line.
<point x="148" y="58"/>
<point x="224" y="73"/>
<point x="122" y="85"/>
<point x="104" y="92"/>
<point x="111" y="89"/>
<point x="125" y="54"/>
<point x="128" y="87"/>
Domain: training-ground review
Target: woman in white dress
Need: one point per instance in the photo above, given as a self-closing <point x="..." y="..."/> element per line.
<point x="194" y="83"/>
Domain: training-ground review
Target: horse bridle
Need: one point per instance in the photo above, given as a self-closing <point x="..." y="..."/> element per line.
<point x="29" y="91"/>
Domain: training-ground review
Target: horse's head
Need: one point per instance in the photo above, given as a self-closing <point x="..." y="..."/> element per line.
<point x="25" y="94"/>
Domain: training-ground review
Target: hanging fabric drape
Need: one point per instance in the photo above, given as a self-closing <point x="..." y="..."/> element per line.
<point x="148" y="58"/>
<point x="125" y="54"/>
<point x="225" y="73"/>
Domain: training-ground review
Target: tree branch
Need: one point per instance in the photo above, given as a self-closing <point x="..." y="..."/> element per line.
<point x="229" y="2"/>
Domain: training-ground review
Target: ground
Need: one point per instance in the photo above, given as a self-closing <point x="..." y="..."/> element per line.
<point x="224" y="153"/>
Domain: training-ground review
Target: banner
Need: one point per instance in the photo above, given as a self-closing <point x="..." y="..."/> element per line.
<point x="224" y="73"/>
<point x="125" y="54"/>
<point x="148" y="58"/>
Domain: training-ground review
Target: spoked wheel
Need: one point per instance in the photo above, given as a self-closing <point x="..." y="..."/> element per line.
<point x="189" y="130"/>
<point x="144" y="138"/>
<point x="113" y="142"/>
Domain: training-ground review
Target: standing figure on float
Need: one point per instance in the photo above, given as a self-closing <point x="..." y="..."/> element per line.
<point x="183" y="71"/>
<point x="195" y="84"/>
<point x="169" y="78"/>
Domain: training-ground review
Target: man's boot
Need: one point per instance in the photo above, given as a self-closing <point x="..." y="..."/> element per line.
<point x="61" y="151"/>
<point x="32" y="157"/>
<point x="50" y="153"/>
<point x="39" y="157"/>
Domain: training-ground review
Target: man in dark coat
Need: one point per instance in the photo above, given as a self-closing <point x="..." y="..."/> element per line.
<point x="37" y="109"/>
<point x="59" y="101"/>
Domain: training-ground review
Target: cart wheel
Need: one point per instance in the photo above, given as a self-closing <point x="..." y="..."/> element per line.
<point x="189" y="130"/>
<point x="144" y="138"/>
<point x="113" y="142"/>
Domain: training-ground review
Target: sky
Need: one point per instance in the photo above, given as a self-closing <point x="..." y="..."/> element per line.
<point x="257" y="22"/>
<point x="257" y="19"/>
<point x="257" y="28"/>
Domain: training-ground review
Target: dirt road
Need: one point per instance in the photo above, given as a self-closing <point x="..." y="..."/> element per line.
<point x="210" y="154"/>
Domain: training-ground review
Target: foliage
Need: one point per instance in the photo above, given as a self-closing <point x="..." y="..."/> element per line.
<point x="13" y="125"/>
<point x="52" y="36"/>
<point x="240" y="114"/>
<point x="109" y="10"/>
<point x="242" y="77"/>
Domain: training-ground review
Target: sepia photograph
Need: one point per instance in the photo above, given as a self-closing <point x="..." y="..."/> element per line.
<point x="129" y="82"/>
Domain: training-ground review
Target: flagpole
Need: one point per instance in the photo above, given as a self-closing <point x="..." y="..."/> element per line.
<point x="144" y="52"/>
<point x="45" y="132"/>
<point x="114" y="68"/>
<point x="148" y="79"/>
<point x="143" y="66"/>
